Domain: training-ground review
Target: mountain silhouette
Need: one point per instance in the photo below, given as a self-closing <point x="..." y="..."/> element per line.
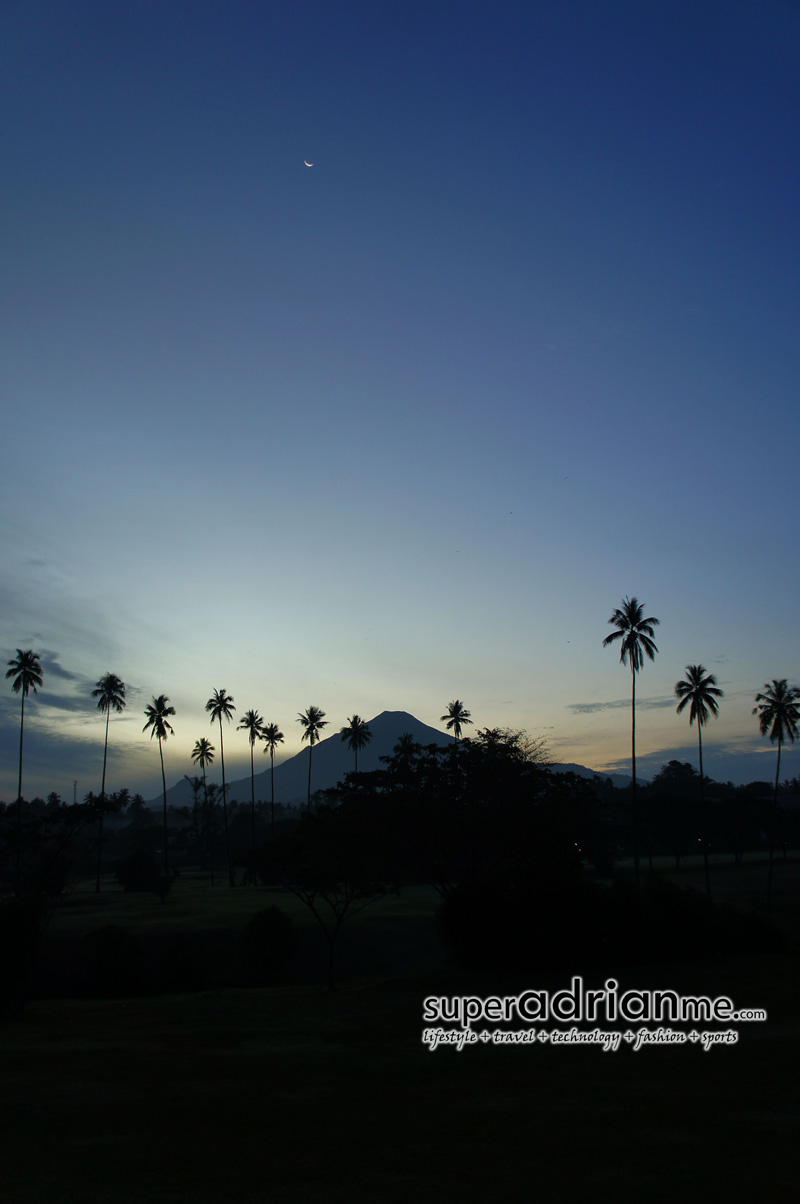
<point x="333" y="759"/>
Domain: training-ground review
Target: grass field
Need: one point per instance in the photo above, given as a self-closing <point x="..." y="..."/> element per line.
<point x="294" y="1094"/>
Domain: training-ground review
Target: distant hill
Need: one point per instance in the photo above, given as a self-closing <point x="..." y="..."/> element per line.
<point x="620" y="780"/>
<point x="332" y="759"/>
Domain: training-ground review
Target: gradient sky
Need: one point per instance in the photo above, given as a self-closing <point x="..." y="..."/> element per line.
<point x="406" y="425"/>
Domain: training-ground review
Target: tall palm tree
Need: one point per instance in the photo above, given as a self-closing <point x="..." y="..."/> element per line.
<point x="457" y="716"/>
<point x="26" y="672"/>
<point x="778" y="710"/>
<point x="157" y="714"/>
<point x="272" y="737"/>
<point x="220" y="703"/>
<point x="357" y="734"/>
<point x="636" y="635"/>
<point x="313" y="720"/>
<point x="110" y="695"/>
<point x="700" y="691"/>
<point x="203" y="755"/>
<point x="253" y="724"/>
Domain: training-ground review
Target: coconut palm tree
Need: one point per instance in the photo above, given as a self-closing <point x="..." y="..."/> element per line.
<point x="313" y="720"/>
<point x="110" y="695"/>
<point x="357" y="735"/>
<point x="252" y="723"/>
<point x="220" y="703"/>
<point x="26" y="672"/>
<point x="699" y="690"/>
<point x="778" y="710"/>
<point x="157" y="714"/>
<point x="272" y="737"/>
<point x="636" y="635"/>
<point x="203" y="755"/>
<point x="456" y="716"/>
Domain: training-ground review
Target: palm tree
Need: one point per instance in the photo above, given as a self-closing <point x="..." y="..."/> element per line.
<point x="457" y="716"/>
<point x="220" y="703"/>
<point x="272" y="737"/>
<point x="26" y="672"/>
<point x="253" y="724"/>
<point x="157" y="714"/>
<point x="313" y="720"/>
<point x="778" y="710"/>
<point x="203" y="755"/>
<point x="636" y="633"/>
<point x="700" y="691"/>
<point x="110" y="695"/>
<point x="357" y="735"/>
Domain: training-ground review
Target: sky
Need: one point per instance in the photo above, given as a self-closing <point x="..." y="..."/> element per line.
<point x="407" y="425"/>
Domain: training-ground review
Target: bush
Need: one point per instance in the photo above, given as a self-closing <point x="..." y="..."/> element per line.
<point x="21" y="922"/>
<point x="271" y="939"/>
<point x="139" y="872"/>
<point x="114" y="962"/>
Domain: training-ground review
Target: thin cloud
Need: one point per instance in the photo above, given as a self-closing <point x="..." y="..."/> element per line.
<point x="645" y="704"/>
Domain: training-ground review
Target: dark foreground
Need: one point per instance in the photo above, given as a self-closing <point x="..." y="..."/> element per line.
<point x="296" y="1095"/>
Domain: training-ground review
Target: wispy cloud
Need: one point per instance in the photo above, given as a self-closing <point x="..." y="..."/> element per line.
<point x="645" y="704"/>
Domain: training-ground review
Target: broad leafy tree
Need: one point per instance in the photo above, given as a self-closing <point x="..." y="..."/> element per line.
<point x="357" y="734"/>
<point x="635" y="633"/>
<point x="312" y="720"/>
<point x="25" y="672"/>
<point x="252" y="723"/>
<point x="157" y="713"/>
<point x="456" y="716"/>
<point x="110" y="695"/>
<point x="699" y="691"/>
<point x="221" y="704"/>
<point x="778" y="710"/>
<point x="272" y="737"/>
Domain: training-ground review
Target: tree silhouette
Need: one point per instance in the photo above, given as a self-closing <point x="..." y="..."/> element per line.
<point x="253" y="724"/>
<point x="203" y="755"/>
<point x="26" y="672"/>
<point x="457" y="716"/>
<point x="700" y="691"/>
<point x="157" y="714"/>
<point x="313" y="720"/>
<point x="272" y="737"/>
<point x="110" y="695"/>
<point x="219" y="704"/>
<point x="636" y="635"/>
<point x="357" y="735"/>
<point x="778" y="710"/>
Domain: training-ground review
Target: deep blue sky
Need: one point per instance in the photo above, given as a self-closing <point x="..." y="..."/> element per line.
<point x="406" y="425"/>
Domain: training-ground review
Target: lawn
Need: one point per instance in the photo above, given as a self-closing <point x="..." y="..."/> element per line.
<point x="295" y="1094"/>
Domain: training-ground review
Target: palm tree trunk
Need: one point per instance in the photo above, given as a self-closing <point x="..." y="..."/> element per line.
<point x="209" y="829"/>
<point x="772" y="825"/>
<point x="225" y="806"/>
<point x="703" y="815"/>
<point x="633" y="767"/>
<point x="272" y="787"/>
<point x="310" y="750"/>
<point x="19" y="793"/>
<point x="164" y="785"/>
<point x="252" y="798"/>
<point x="102" y="803"/>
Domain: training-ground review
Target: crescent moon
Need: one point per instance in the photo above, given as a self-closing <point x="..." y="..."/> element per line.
<point x="307" y="163"/>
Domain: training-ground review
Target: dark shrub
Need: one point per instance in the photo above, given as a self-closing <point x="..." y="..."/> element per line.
<point x="21" y="922"/>
<point x="114" y="962"/>
<point x="139" y="871"/>
<point x="271" y="939"/>
<point x="499" y="928"/>
<point x="746" y="932"/>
